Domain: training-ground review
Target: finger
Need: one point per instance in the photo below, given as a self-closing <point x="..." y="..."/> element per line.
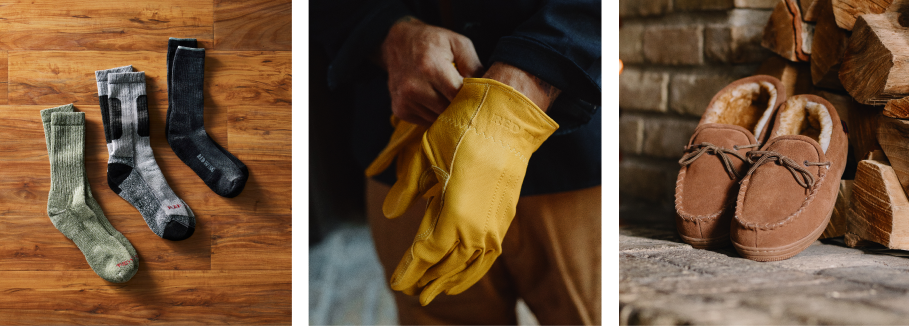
<point x="405" y="133"/>
<point x="413" y="113"/>
<point x="447" y="82"/>
<point x="412" y="169"/>
<point x="466" y="59"/>
<point x="420" y="257"/>
<point x="438" y="286"/>
<point x="474" y="272"/>
<point x="455" y="261"/>
<point x="431" y="98"/>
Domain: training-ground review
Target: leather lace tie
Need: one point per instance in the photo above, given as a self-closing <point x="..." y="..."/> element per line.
<point x="696" y="151"/>
<point x="802" y="176"/>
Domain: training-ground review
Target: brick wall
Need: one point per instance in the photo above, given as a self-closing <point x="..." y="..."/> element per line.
<point x="677" y="55"/>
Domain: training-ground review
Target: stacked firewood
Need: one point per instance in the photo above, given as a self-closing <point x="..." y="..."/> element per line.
<point x="854" y="54"/>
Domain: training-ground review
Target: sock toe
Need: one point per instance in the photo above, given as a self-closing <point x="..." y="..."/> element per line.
<point x="236" y="186"/>
<point x="175" y="231"/>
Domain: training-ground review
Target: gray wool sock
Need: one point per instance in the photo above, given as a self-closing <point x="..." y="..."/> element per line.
<point x="89" y="198"/>
<point x="66" y="204"/>
<point x="219" y="169"/>
<point x="133" y="172"/>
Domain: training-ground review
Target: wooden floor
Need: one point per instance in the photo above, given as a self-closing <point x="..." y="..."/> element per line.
<point x="236" y="268"/>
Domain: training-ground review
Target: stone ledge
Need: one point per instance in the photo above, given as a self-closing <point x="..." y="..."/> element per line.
<point x="664" y="281"/>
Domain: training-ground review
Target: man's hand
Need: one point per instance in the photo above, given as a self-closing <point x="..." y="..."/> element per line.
<point x="538" y="91"/>
<point x="422" y="80"/>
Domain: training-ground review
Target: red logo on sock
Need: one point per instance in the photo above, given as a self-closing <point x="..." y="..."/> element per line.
<point x="173" y="206"/>
<point x="127" y="262"/>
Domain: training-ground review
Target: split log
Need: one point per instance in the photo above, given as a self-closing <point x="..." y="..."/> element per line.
<point x="896" y="109"/>
<point x="879" y="206"/>
<point x="892" y="137"/>
<point x="838" y="224"/>
<point x="785" y="31"/>
<point x="795" y="76"/>
<point x="861" y="121"/>
<point x="810" y="9"/>
<point x="875" y="63"/>
<point x="848" y="11"/>
<point x="828" y="45"/>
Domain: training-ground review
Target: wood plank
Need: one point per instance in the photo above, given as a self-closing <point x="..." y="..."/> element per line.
<point x="828" y="46"/>
<point x="874" y="69"/>
<point x="897" y="108"/>
<point x="268" y="191"/>
<point x="100" y="25"/>
<point x="260" y="133"/>
<point x="251" y="242"/>
<point x="847" y="11"/>
<point x="253" y="25"/>
<point x="4" y="77"/>
<point x="30" y="242"/>
<point x="22" y="135"/>
<point x="151" y="297"/>
<point x="879" y="206"/>
<point x="892" y="136"/>
<point x="60" y="77"/>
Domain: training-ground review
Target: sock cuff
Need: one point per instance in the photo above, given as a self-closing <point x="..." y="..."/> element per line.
<point x="46" y="113"/>
<point x="126" y="77"/>
<point x="68" y="119"/>
<point x="184" y="51"/>
<point x="102" y="75"/>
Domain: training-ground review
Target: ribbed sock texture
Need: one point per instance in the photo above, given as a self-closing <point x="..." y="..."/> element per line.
<point x="89" y="198"/>
<point x="220" y="170"/>
<point x="132" y="171"/>
<point x="66" y="205"/>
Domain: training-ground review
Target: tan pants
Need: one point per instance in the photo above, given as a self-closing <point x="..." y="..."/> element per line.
<point x="550" y="259"/>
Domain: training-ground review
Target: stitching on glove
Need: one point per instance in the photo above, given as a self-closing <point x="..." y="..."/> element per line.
<point x="514" y="151"/>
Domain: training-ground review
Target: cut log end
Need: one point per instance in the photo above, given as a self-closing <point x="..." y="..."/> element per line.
<point x="875" y="63"/>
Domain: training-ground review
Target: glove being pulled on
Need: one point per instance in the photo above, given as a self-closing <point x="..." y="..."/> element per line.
<point x="470" y="165"/>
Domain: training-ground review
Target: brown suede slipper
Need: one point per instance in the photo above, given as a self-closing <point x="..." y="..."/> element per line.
<point x="787" y="196"/>
<point x="715" y="158"/>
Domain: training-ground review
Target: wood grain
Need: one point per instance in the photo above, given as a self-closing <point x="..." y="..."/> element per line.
<point x="255" y="135"/>
<point x="151" y="297"/>
<point x="4" y="77"/>
<point x="60" y="77"/>
<point x="893" y="137"/>
<point x="847" y="11"/>
<point x="251" y="242"/>
<point x="879" y="206"/>
<point x="897" y="108"/>
<point x="837" y="226"/>
<point x="236" y="268"/>
<point x="875" y="63"/>
<point x="828" y="46"/>
<point x="253" y="25"/>
<point x="780" y="35"/>
<point x="102" y="25"/>
<point x="22" y="134"/>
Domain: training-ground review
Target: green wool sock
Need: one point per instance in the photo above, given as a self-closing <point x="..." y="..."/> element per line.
<point x="89" y="199"/>
<point x="67" y="207"/>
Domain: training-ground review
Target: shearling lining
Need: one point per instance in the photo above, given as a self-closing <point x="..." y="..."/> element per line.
<point x="800" y="116"/>
<point x="748" y="105"/>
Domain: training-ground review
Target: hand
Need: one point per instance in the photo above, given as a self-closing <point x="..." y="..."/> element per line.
<point x="419" y="60"/>
<point x="538" y="91"/>
<point x="470" y="164"/>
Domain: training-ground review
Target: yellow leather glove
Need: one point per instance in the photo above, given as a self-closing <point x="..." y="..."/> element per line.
<point x="405" y="145"/>
<point x="470" y="165"/>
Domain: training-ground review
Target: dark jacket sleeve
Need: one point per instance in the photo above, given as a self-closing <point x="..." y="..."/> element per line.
<point x="350" y="30"/>
<point x="560" y="44"/>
